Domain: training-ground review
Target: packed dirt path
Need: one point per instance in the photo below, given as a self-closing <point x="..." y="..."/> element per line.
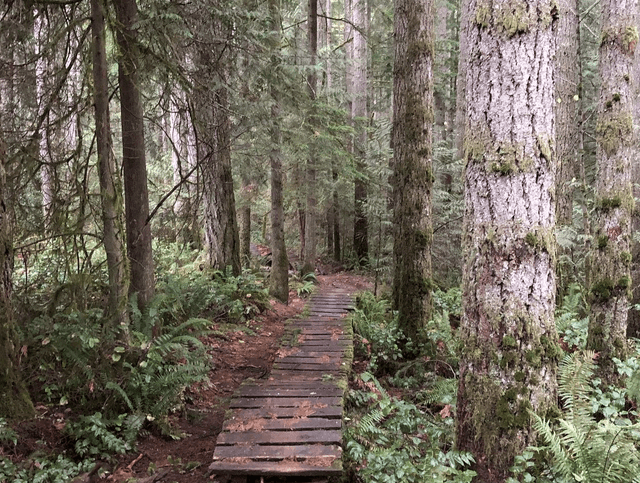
<point x="246" y="353"/>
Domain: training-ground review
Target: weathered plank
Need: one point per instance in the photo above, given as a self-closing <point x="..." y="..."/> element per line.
<point x="275" y="413"/>
<point x="289" y="424"/>
<point x="276" y="468"/>
<point x="263" y="452"/>
<point x="283" y="402"/>
<point x="288" y="391"/>
<point x="325" y="436"/>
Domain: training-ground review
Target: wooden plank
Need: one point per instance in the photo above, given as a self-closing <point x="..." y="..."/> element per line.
<point x="335" y="358"/>
<point x="279" y="468"/>
<point x="297" y="366"/>
<point x="263" y="452"/>
<point x="325" y="436"/>
<point x="232" y="425"/>
<point x="283" y="402"/>
<point x="253" y="391"/>
<point x="281" y="413"/>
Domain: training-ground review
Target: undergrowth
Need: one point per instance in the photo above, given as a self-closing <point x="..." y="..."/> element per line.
<point x="115" y="381"/>
<point x="400" y="412"/>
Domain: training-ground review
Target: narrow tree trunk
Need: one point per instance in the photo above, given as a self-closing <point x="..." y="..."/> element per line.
<point x="279" y="280"/>
<point x="412" y="164"/>
<point x="610" y="270"/>
<point x="110" y="189"/>
<point x="311" y="215"/>
<point x="245" y="222"/>
<point x="359" y="115"/>
<point x="461" y="79"/>
<point x="134" y="160"/>
<point x="15" y="402"/>
<point x="508" y="366"/>
<point x="567" y="67"/>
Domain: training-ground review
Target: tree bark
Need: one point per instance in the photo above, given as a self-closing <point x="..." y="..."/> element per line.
<point x="412" y="141"/>
<point x="508" y="366"/>
<point x="134" y="160"/>
<point x="110" y="188"/>
<point x="611" y="256"/>
<point x="214" y="150"/>
<point x="567" y="65"/>
<point x="15" y="402"/>
<point x="359" y="116"/>
<point x="311" y="212"/>
<point x="279" y="280"/>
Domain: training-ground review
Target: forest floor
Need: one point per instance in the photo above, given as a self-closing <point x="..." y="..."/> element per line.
<point x="246" y="352"/>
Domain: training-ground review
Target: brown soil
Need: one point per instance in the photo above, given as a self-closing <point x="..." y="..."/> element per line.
<point x="186" y="460"/>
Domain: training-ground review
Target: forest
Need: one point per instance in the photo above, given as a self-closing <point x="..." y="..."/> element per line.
<point x="178" y="176"/>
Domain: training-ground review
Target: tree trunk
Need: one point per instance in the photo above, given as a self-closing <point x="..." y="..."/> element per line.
<point x="611" y="257"/>
<point x="110" y="189"/>
<point x="15" y="402"/>
<point x="567" y="66"/>
<point x="279" y="280"/>
<point x="134" y="161"/>
<point x="311" y="212"/>
<point x="214" y="138"/>
<point x="245" y="222"/>
<point x="461" y="78"/>
<point x="359" y="116"/>
<point x="508" y="366"/>
<point x="221" y="225"/>
<point x="412" y="164"/>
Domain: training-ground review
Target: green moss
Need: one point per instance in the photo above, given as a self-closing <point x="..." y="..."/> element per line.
<point x="602" y="289"/>
<point x="552" y="349"/>
<point x="519" y="376"/>
<point x="509" y="342"/>
<point x="625" y="257"/>
<point x="503" y="168"/>
<point x="630" y="38"/>
<point x="513" y="18"/>
<point x="508" y="359"/>
<point x="423" y="239"/>
<point x="531" y="239"/>
<point x="545" y="147"/>
<point x="483" y="14"/>
<point x="614" y="131"/>
<point x="616" y="97"/>
<point x="623" y="282"/>
<point x="607" y="204"/>
<point x="534" y="357"/>
<point x="603" y="241"/>
<point x="608" y="105"/>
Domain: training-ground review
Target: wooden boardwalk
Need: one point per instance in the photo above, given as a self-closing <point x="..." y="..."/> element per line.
<point x="290" y="424"/>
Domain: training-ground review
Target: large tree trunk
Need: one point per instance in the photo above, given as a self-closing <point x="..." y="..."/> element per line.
<point x="359" y="116"/>
<point x="15" y="402"/>
<point x="279" y="280"/>
<point x="134" y="160"/>
<point x="110" y="189"/>
<point x="214" y="138"/>
<point x="412" y="163"/>
<point x="611" y="257"/>
<point x="508" y="366"/>
<point x="311" y="212"/>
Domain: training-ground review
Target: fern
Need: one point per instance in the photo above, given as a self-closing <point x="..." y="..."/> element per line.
<point x="583" y="449"/>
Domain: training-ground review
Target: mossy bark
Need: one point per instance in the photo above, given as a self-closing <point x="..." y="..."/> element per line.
<point x="508" y="364"/>
<point x="279" y="280"/>
<point x="412" y="163"/>
<point x="15" y="402"/>
<point x="110" y="183"/>
<point x="213" y="128"/>
<point x="610" y="257"/>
